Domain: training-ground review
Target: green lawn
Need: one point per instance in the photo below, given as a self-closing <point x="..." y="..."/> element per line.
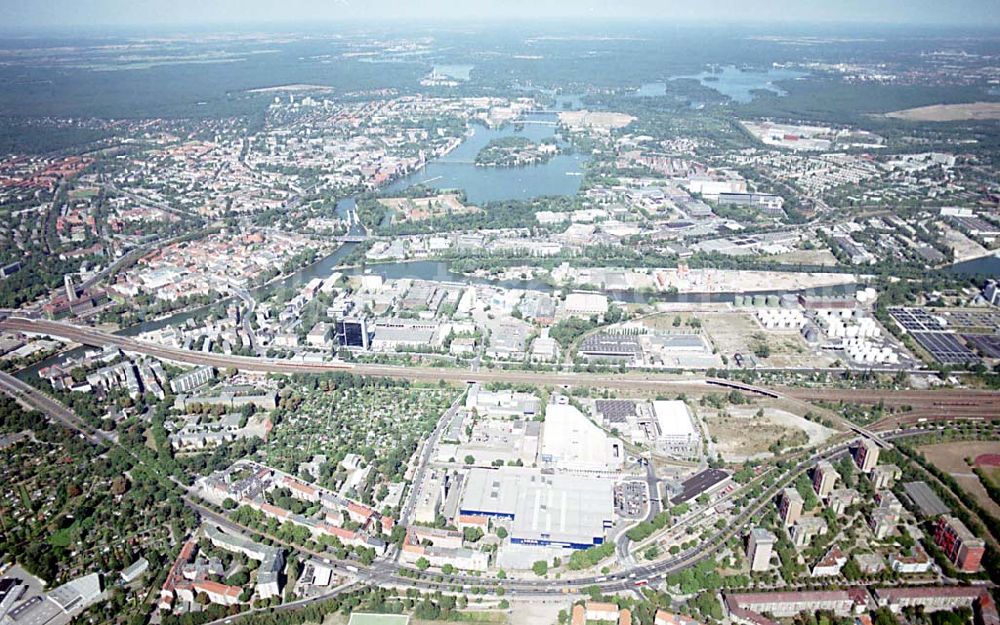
<point x="25" y="498"/>
<point x="359" y="618"/>
<point x="61" y="538"/>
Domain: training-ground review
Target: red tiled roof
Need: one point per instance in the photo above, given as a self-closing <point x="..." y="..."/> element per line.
<point x="217" y="588"/>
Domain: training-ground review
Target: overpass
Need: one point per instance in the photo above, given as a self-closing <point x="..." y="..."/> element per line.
<point x="740" y="386"/>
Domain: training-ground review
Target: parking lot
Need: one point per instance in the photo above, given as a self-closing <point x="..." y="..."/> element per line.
<point x="631" y="498"/>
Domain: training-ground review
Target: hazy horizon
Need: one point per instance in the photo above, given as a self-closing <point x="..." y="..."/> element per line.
<point x="67" y="14"/>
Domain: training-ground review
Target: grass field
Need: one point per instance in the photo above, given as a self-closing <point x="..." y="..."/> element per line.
<point x="950" y="457"/>
<point x="61" y="537"/>
<point x="378" y="619"/>
<point x="992" y="474"/>
<point x="25" y="497"/>
<point x="949" y="112"/>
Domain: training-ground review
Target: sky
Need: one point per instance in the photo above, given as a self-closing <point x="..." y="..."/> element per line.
<point x="55" y="14"/>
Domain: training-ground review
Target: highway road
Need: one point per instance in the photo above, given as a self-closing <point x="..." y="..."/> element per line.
<point x="969" y="402"/>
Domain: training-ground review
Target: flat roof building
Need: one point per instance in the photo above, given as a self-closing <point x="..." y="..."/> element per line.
<point x="962" y="547"/>
<point x="885" y="475"/>
<point x="134" y="570"/>
<point x="191" y="380"/>
<point x="571" y="441"/>
<point x="824" y="478"/>
<point x="759" y="545"/>
<point x="866" y="455"/>
<point x="677" y="432"/>
<point x="707" y="481"/>
<point x="925" y="499"/>
<point x="586" y="304"/>
<point x="546" y="508"/>
<point x="790" y="506"/>
<point x="77" y="594"/>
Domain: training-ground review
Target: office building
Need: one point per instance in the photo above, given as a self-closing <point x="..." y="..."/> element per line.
<point x="352" y="332"/>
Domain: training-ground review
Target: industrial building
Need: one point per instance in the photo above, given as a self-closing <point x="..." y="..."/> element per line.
<point x="543" y="508"/>
<point x="676" y="430"/>
<point x="585" y="304"/>
<point x="611" y="346"/>
<point x="393" y="334"/>
<point x="704" y="482"/>
<point x="570" y="441"/>
<point x="504" y="403"/>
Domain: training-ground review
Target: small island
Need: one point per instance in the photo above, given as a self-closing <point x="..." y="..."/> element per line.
<point x="514" y="152"/>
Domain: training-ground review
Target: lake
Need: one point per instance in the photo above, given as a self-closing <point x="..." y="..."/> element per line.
<point x="731" y="81"/>
<point x="560" y="175"/>
<point x="458" y="72"/>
